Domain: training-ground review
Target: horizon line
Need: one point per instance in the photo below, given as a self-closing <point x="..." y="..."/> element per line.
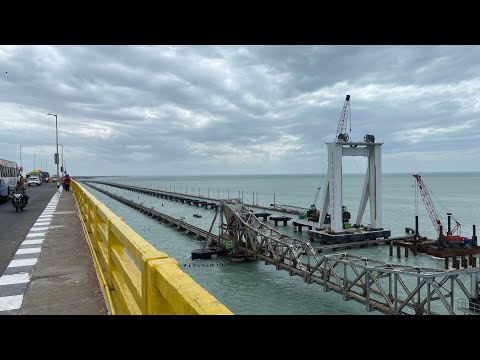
<point x="250" y="174"/>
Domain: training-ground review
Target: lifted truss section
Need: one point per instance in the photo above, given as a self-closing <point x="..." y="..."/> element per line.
<point x="388" y="288"/>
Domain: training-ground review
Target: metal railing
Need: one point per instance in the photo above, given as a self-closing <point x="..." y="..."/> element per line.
<point x="136" y="278"/>
<point x="468" y="306"/>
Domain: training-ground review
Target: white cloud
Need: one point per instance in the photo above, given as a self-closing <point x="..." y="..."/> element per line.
<point x="416" y="135"/>
<point x="89" y="131"/>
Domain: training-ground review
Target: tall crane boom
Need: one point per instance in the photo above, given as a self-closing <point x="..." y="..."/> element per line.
<point x="427" y="200"/>
<point x="342" y="124"/>
<point x="432" y="212"/>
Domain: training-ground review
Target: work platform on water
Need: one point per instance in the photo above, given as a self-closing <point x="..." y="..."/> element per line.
<point x="207" y="253"/>
<point x="348" y="236"/>
<point x="430" y="247"/>
<point x="277" y="219"/>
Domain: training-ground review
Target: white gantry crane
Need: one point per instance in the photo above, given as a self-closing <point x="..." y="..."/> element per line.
<point x="332" y="196"/>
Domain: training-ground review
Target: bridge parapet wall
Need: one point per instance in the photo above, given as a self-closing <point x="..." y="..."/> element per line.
<point x="134" y="276"/>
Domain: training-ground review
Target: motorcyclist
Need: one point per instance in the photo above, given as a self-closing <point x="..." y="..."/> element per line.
<point x="20" y="187"/>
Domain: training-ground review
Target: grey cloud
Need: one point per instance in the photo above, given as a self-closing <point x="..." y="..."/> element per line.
<point x="237" y="109"/>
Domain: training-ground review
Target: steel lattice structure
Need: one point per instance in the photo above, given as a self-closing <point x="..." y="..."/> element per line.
<point x="389" y="288"/>
<point x="344" y="119"/>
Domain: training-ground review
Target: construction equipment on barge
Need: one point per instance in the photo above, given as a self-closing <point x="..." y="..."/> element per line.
<point x="449" y="242"/>
<point x="445" y="238"/>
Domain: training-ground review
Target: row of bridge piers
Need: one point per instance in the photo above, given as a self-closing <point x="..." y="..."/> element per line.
<point x="181" y="199"/>
<point x="207" y="204"/>
<point x="179" y="224"/>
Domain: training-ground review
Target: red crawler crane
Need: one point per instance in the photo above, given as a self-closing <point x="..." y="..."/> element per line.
<point x="432" y="212"/>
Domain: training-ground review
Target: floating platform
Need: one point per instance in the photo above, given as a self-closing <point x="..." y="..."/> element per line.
<point x="452" y="252"/>
<point x="430" y="247"/>
<point x="349" y="235"/>
<point x="349" y="245"/>
<point x="242" y="257"/>
<point x="208" y="252"/>
<point x="300" y="225"/>
<point x="263" y="215"/>
<point x="284" y="219"/>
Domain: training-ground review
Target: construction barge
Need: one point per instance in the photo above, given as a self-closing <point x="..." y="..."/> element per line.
<point x="449" y="243"/>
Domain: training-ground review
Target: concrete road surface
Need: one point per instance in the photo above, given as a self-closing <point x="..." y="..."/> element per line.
<point x="15" y="226"/>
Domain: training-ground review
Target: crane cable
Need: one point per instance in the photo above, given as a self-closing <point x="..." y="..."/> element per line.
<point x="440" y="203"/>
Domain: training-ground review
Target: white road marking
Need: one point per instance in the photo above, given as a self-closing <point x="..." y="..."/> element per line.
<point x="11" y="302"/>
<point x="38" y="228"/>
<point x="22" y="262"/>
<point x="33" y="242"/>
<point x="28" y="251"/>
<point x="40" y="234"/>
<point x="14" y="279"/>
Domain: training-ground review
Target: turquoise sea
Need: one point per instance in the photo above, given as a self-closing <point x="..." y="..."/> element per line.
<point x="254" y="288"/>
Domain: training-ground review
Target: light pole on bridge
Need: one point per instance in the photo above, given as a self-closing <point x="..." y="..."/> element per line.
<point x="63" y="165"/>
<point x="21" y="164"/>
<point x="56" y="154"/>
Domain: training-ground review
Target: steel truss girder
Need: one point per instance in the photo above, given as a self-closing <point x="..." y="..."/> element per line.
<point x="371" y="282"/>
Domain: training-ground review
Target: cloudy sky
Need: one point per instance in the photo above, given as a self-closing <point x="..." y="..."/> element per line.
<point x="175" y="110"/>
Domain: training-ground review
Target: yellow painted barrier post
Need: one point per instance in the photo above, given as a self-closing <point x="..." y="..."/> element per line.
<point x="153" y="302"/>
<point x="182" y="294"/>
<point x="95" y="234"/>
<point x="110" y="263"/>
<point x="85" y="209"/>
<point x="91" y="218"/>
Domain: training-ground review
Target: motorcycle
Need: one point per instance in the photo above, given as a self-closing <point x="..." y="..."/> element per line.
<point x="19" y="201"/>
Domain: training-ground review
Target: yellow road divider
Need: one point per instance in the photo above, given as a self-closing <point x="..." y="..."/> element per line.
<point x="135" y="277"/>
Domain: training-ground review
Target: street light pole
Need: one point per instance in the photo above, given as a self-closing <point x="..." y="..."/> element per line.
<point x="56" y="155"/>
<point x="63" y="165"/>
<point x="21" y="165"/>
<point x="34" y="167"/>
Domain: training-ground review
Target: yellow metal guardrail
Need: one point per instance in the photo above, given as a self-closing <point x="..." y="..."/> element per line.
<point x="135" y="277"/>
